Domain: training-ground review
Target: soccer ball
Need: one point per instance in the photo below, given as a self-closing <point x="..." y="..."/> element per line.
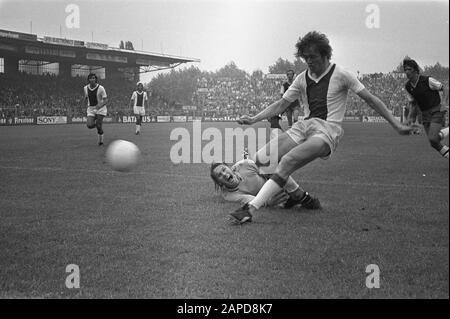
<point x="122" y="155"/>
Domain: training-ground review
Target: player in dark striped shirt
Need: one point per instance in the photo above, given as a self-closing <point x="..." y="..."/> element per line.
<point x="424" y="96"/>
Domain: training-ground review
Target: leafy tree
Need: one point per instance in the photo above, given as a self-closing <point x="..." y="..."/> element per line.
<point x="257" y="75"/>
<point x="282" y="65"/>
<point x="231" y="71"/>
<point x="177" y="86"/>
<point x="437" y="71"/>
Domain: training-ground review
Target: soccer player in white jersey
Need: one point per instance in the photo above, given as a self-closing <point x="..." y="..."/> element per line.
<point x="138" y="102"/>
<point x="323" y="87"/>
<point x="424" y="93"/>
<point x="96" y="98"/>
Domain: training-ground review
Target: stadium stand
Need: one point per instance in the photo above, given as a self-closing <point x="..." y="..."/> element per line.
<point x="36" y="95"/>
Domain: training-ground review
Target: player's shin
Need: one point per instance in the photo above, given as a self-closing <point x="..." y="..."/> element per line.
<point x="272" y="187"/>
<point x="100" y="134"/>
<point x="138" y="124"/>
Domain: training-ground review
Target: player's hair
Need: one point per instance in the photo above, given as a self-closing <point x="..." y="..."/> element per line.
<point x="317" y="39"/>
<point x="290" y="70"/>
<point x="411" y="63"/>
<point x="92" y="75"/>
<point x="217" y="185"/>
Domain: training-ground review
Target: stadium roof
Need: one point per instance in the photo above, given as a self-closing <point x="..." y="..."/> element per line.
<point x="29" y="46"/>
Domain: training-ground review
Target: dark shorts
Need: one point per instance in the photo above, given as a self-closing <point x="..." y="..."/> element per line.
<point x="433" y="115"/>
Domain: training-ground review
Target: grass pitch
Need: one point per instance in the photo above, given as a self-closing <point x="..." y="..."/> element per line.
<point x="162" y="232"/>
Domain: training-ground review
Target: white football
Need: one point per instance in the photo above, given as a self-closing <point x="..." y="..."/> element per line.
<point x="123" y="156"/>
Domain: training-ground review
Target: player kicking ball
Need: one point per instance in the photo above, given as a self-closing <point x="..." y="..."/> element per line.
<point x="138" y="102"/>
<point x="96" y="98"/>
<point x="424" y="94"/>
<point x="323" y="87"/>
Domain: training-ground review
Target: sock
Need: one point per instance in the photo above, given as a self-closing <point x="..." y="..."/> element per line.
<point x="443" y="133"/>
<point x="444" y="151"/>
<point x="138" y="128"/>
<point x="291" y="186"/>
<point x="269" y="189"/>
<point x="100" y="138"/>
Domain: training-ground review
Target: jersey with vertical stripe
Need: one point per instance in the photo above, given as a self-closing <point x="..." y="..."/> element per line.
<point x="95" y="94"/>
<point x="139" y="98"/>
<point x="324" y="97"/>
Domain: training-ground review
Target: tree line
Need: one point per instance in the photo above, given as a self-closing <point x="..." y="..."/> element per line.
<point x="180" y="86"/>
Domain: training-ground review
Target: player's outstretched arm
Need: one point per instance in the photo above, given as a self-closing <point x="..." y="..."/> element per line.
<point x="272" y="110"/>
<point x="376" y="104"/>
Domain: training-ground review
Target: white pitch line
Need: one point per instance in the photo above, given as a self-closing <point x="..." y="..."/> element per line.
<point x="205" y="177"/>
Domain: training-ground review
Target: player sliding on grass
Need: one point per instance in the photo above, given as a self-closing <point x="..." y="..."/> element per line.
<point x="323" y="86"/>
<point x="241" y="182"/>
<point x="423" y="93"/>
<point x="96" y="98"/>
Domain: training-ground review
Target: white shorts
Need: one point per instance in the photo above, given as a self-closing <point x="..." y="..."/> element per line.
<point x="92" y="111"/>
<point x="274" y="132"/>
<point x="329" y="132"/>
<point x="139" y="110"/>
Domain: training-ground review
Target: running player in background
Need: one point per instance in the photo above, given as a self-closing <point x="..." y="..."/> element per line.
<point x="293" y="111"/>
<point x="139" y="102"/>
<point x="424" y="94"/>
<point x="96" y="98"/>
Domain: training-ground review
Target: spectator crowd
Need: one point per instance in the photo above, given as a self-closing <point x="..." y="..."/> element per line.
<point x="25" y="95"/>
<point x="221" y="97"/>
<point x="228" y="97"/>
